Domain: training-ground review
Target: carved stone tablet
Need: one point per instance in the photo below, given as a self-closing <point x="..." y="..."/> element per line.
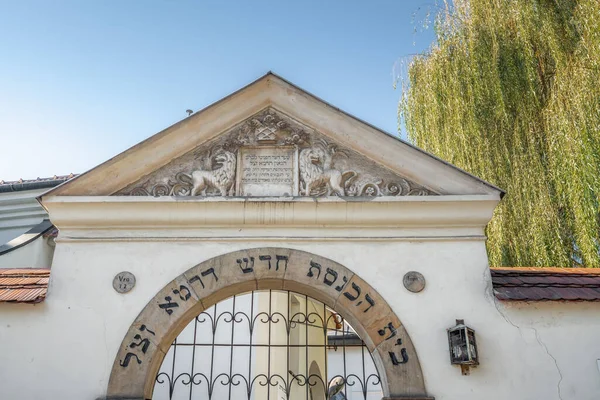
<point x="414" y="281"/>
<point x="267" y="171"/>
<point x="124" y="282"/>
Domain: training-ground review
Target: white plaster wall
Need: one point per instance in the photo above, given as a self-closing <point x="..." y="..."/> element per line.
<point x="64" y="348"/>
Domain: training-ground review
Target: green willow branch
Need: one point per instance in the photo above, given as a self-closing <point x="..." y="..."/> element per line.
<point x="511" y="93"/>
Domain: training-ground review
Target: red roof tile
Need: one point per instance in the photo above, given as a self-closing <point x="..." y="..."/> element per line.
<point x="26" y="285"/>
<point x="543" y="284"/>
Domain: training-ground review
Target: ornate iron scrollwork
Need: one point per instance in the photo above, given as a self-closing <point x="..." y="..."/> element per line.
<point x="267" y="344"/>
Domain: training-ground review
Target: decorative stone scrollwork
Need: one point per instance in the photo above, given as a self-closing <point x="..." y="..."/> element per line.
<point x="319" y="177"/>
<point x="271" y="154"/>
<point x="399" y="187"/>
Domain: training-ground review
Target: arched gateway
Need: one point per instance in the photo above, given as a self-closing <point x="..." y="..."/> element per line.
<point x="272" y="165"/>
<point x="152" y="333"/>
<point x="268" y="164"/>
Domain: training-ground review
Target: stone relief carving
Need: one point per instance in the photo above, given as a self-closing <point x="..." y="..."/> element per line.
<point x="321" y="167"/>
<point x="318" y="177"/>
<point x="267" y="127"/>
<point x="220" y="180"/>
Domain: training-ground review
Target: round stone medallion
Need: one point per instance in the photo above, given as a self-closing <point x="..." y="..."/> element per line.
<point x="124" y="282"/>
<point x="414" y="281"/>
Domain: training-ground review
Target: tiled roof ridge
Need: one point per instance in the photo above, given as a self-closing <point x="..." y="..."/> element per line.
<point x="38" y="179"/>
<point x="545" y="270"/>
<point x="24" y="271"/>
<point x="24" y="285"/>
<point x="546" y="284"/>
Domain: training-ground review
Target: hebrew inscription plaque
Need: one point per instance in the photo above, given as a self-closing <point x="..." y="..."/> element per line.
<point x="267" y="171"/>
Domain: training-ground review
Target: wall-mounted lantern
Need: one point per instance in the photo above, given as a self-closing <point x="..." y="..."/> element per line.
<point x="463" y="347"/>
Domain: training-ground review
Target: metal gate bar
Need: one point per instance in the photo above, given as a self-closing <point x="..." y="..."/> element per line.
<point x="182" y="377"/>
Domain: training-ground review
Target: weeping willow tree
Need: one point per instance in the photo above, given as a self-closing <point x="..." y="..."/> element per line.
<point x="511" y="93"/>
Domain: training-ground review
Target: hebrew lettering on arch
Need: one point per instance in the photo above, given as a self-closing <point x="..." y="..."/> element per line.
<point x="331" y="272"/>
<point x="168" y="305"/>
<point x="210" y="271"/>
<point x="196" y="278"/>
<point x="281" y="258"/>
<point x="395" y="360"/>
<point x="403" y="354"/>
<point x="370" y="301"/>
<point x="183" y="292"/>
<point x="128" y="359"/>
<point x="314" y="265"/>
<point x="351" y="297"/>
<point x="389" y="326"/>
<point x="142" y="342"/>
<point x="341" y="287"/>
<point x="246" y="269"/>
<point x="145" y="328"/>
<point x="204" y="273"/>
<point x="266" y="258"/>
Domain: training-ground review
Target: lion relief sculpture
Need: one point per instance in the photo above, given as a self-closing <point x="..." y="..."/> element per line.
<point x="317" y="176"/>
<point x="222" y="178"/>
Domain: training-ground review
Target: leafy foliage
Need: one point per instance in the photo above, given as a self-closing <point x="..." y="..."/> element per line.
<point x="511" y="93"/>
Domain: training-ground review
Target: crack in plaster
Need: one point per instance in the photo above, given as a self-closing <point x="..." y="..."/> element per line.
<point x="489" y="294"/>
<point x="537" y="336"/>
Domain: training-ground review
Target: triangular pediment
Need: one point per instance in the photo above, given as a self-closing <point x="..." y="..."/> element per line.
<point x="272" y="154"/>
<point x="272" y="139"/>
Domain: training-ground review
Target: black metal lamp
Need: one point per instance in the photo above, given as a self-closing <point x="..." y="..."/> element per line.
<point x="463" y="347"/>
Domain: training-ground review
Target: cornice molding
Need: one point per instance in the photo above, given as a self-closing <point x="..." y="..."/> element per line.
<point x="198" y="216"/>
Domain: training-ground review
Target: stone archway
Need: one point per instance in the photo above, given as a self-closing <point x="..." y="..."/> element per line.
<point x="149" y="337"/>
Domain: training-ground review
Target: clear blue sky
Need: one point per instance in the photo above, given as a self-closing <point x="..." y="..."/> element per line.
<point x="81" y="81"/>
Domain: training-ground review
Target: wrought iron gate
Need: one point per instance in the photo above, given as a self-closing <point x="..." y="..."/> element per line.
<point x="268" y="345"/>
